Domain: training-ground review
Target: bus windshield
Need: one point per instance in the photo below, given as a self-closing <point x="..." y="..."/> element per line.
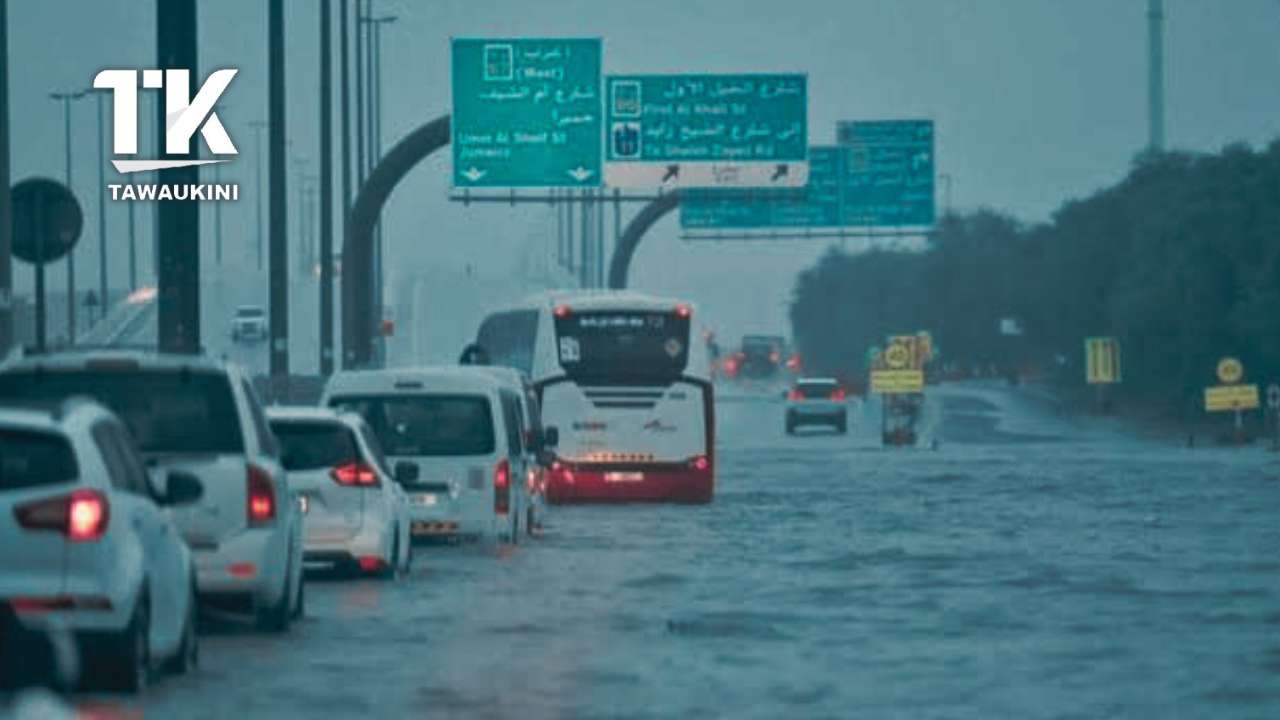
<point x="623" y="346"/>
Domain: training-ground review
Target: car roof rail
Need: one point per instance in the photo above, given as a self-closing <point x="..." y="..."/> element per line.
<point x="56" y="408"/>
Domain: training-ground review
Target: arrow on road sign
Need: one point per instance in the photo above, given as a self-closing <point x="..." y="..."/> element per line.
<point x="580" y="173"/>
<point x="778" y="172"/>
<point x="473" y="173"/>
<point x="672" y="172"/>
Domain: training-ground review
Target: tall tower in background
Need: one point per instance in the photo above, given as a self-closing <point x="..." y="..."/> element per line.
<point x="1155" y="75"/>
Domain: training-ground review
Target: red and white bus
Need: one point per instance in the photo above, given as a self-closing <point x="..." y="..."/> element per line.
<point x="622" y="379"/>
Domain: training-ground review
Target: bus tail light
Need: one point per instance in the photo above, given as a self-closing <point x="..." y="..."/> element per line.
<point x="260" y="501"/>
<point x="502" y="487"/>
<point x="81" y="515"/>
<point x="701" y="463"/>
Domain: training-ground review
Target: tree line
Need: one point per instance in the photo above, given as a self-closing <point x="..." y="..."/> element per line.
<point x="1180" y="260"/>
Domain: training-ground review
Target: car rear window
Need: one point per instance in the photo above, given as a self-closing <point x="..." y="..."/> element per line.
<point x="168" y="411"/>
<point x="427" y="424"/>
<point x="33" y="458"/>
<point x="314" y="445"/>
<point x="816" y="389"/>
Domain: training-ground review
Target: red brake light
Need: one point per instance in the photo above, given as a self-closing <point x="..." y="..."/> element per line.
<point x="81" y="515"/>
<point x="838" y="394"/>
<point x="355" y="474"/>
<point x="793" y="362"/>
<point x="794" y="395"/>
<point x="502" y="487"/>
<point x="701" y="463"/>
<point x="562" y="311"/>
<point x="261" y="498"/>
<point x="775" y="357"/>
<point x="683" y="311"/>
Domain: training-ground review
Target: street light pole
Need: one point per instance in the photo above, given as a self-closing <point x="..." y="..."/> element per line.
<point x="6" y="210"/>
<point x="102" y="215"/>
<point x="279" y="261"/>
<point x="326" y="192"/>
<point x="66" y="98"/>
<point x="257" y="126"/>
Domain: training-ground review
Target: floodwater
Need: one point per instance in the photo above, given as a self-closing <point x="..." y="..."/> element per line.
<point x="1028" y="566"/>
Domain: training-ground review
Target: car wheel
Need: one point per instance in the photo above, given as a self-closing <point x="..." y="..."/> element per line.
<point x="406" y="550"/>
<point x="529" y="521"/>
<point x="300" y="600"/>
<point x="188" y="657"/>
<point x="842" y="425"/>
<point x="127" y="667"/>
<point x="276" y="618"/>
<point x="391" y="566"/>
<point x="791" y="425"/>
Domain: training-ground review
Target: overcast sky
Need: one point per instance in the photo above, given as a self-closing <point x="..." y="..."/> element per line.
<point x="1035" y="102"/>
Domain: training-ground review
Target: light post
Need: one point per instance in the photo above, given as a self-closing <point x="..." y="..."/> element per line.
<point x="374" y="47"/>
<point x="65" y="98"/>
<point x="258" y="126"/>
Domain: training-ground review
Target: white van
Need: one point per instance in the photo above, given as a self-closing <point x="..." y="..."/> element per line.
<point x="452" y="436"/>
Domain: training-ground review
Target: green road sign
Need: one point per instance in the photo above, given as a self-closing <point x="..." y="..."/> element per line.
<point x="526" y="112"/>
<point x="817" y="204"/>
<point x="889" y="172"/>
<point x="706" y="130"/>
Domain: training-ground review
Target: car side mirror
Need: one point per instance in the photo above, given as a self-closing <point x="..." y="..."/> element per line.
<point x="406" y="472"/>
<point x="181" y="488"/>
<point x="532" y="441"/>
<point x="550" y="437"/>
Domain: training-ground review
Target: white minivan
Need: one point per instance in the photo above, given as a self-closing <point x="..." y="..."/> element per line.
<point x="452" y="437"/>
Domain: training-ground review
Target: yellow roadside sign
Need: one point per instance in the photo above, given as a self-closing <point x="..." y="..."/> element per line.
<point x="1225" y="398"/>
<point x="1230" y="371"/>
<point x="892" y="382"/>
<point x="897" y="356"/>
<point x="1102" y="360"/>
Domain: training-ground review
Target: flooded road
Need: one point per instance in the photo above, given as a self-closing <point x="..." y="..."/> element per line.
<point x="1030" y="566"/>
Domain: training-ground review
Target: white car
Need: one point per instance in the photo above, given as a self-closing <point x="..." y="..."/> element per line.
<point x="817" y="401"/>
<point x="87" y="550"/>
<point x="201" y="416"/>
<point x="452" y="437"/>
<point x="250" y="323"/>
<point x="357" y="515"/>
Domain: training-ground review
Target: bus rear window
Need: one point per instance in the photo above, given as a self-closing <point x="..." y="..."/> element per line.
<point x="623" y="346"/>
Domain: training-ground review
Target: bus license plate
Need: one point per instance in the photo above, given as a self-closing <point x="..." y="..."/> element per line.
<point x="621" y="477"/>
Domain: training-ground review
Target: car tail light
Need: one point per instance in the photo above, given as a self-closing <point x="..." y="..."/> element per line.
<point x="355" y="474"/>
<point x="794" y="395"/>
<point x="700" y="463"/>
<point x="81" y="515"/>
<point x="775" y="357"/>
<point x="731" y="366"/>
<point x="369" y="563"/>
<point x="261" y="498"/>
<point x="793" y="362"/>
<point x="562" y="311"/>
<point x="837" y="394"/>
<point x="683" y="311"/>
<point x="502" y="487"/>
